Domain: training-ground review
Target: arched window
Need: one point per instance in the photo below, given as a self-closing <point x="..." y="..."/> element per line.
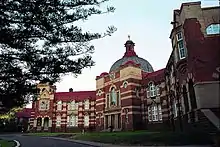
<point x="39" y="121"/>
<point x="113" y="96"/>
<point x="213" y="29"/>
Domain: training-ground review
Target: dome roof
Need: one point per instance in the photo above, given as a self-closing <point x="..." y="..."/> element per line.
<point x="144" y="64"/>
<point x="130" y="55"/>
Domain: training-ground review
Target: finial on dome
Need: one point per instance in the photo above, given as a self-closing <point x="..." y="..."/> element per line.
<point x="129" y="37"/>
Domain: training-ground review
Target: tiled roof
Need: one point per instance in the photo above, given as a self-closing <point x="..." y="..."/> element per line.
<point x="75" y="95"/>
<point x="154" y="76"/>
<point x="26" y="112"/>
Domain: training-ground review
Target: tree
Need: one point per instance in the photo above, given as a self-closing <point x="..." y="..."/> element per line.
<point x="39" y="40"/>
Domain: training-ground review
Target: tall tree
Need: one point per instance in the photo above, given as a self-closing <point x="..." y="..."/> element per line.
<point x="39" y="40"/>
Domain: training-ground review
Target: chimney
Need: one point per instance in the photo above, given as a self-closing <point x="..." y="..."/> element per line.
<point x="71" y="90"/>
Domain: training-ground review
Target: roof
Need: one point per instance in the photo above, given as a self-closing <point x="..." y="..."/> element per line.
<point x="154" y="76"/>
<point x="75" y="95"/>
<point x="26" y="112"/>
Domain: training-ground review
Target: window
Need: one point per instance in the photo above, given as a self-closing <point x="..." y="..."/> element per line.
<point x="137" y="90"/>
<point x="180" y="45"/>
<point x="73" y="106"/>
<point x="107" y="100"/>
<point x="213" y="29"/>
<point x="154" y="112"/>
<point x="125" y="84"/>
<point x="113" y="97"/>
<point x="72" y="121"/>
<point x="59" y="105"/>
<point x="175" y="108"/>
<point x="86" y="105"/>
<point x="149" y="113"/>
<point x="159" y="112"/>
<point x="44" y="105"/>
<point x="58" y="121"/>
<point x="153" y="91"/>
<point x="86" y="120"/>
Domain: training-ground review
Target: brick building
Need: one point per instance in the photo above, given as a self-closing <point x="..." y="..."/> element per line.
<point x="192" y="72"/>
<point x="131" y="96"/>
<point x="62" y="111"/>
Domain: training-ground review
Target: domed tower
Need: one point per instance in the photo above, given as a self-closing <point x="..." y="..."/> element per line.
<point x="118" y="97"/>
<point x="131" y="56"/>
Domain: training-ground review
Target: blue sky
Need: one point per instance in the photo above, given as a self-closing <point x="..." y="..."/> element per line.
<point x="148" y="24"/>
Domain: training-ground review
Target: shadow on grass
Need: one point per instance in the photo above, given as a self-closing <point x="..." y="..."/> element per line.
<point x="7" y="143"/>
<point x="148" y="138"/>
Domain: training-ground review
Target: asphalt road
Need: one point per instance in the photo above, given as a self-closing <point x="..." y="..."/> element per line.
<point x="32" y="141"/>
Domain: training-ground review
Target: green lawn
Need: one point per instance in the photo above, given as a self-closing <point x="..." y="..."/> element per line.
<point x="6" y="143"/>
<point x="147" y="138"/>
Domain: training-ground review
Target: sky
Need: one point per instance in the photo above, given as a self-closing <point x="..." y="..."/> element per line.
<point x="148" y="24"/>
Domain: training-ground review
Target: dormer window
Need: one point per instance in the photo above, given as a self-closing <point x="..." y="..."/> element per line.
<point x="180" y="45"/>
<point x="213" y="29"/>
<point x="153" y="91"/>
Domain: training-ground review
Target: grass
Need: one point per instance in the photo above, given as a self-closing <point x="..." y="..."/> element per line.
<point x="47" y="134"/>
<point x="6" y="143"/>
<point x="147" y="138"/>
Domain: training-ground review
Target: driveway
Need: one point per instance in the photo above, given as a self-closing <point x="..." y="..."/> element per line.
<point x="33" y="141"/>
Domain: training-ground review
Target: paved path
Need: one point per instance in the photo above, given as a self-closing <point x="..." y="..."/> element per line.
<point x="33" y="141"/>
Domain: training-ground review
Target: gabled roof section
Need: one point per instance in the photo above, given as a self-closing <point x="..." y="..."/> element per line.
<point x="75" y="95"/>
<point x="156" y="76"/>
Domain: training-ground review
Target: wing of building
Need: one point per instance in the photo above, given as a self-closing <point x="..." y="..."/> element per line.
<point x="131" y="96"/>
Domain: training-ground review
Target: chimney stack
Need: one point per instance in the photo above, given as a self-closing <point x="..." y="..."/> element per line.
<point x="71" y="90"/>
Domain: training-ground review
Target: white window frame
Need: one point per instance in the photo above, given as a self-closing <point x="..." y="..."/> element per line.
<point x="155" y="113"/>
<point x="58" y="121"/>
<point x="183" y="48"/>
<point x="160" y="115"/>
<point x="211" y="30"/>
<point x="153" y="91"/>
<point x="86" y="120"/>
<point x="59" y="105"/>
<point x="175" y="108"/>
<point x="149" y="113"/>
<point x="86" y="104"/>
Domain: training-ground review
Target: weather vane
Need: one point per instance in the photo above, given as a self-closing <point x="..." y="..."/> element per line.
<point x="129" y="37"/>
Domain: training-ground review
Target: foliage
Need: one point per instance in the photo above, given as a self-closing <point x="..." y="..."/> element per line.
<point x="39" y="40"/>
<point x="10" y="114"/>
